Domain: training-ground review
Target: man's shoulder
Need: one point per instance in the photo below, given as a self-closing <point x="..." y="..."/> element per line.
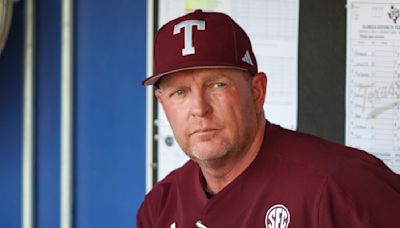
<point x="165" y="192"/>
<point x="325" y="157"/>
<point x="168" y="186"/>
<point x="165" y="185"/>
<point x="353" y="182"/>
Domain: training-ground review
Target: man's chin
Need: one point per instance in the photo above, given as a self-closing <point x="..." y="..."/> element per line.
<point x="208" y="155"/>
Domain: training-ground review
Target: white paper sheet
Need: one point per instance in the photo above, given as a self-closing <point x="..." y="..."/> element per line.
<point x="373" y="79"/>
<point x="273" y="29"/>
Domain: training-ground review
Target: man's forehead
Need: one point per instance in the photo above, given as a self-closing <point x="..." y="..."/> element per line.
<point x="201" y="75"/>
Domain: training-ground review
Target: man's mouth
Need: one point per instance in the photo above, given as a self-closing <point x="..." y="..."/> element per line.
<point x="204" y="131"/>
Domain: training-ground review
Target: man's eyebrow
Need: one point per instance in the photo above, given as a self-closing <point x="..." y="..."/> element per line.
<point x="216" y="76"/>
<point x="172" y="86"/>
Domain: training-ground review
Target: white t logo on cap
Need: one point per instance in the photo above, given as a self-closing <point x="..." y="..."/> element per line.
<point x="188" y="33"/>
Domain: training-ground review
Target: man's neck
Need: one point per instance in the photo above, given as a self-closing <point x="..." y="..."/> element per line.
<point x="218" y="174"/>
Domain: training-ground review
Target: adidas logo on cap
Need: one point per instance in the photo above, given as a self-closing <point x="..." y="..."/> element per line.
<point x="247" y="59"/>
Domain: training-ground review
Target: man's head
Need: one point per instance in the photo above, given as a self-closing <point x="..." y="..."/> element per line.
<point x="208" y="84"/>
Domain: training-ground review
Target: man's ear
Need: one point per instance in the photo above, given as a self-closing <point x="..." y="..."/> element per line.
<point x="259" y="90"/>
<point x="159" y="95"/>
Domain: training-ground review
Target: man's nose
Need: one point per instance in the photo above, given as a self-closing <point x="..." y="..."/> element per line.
<point x="200" y="104"/>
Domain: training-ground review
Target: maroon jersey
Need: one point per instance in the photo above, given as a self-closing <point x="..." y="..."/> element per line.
<point x="296" y="180"/>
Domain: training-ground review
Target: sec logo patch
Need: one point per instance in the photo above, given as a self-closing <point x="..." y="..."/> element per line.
<point x="277" y="216"/>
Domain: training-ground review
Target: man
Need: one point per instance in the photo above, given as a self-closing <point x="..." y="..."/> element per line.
<point x="244" y="171"/>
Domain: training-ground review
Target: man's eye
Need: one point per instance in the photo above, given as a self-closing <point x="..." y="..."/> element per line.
<point x="219" y="85"/>
<point x="179" y="93"/>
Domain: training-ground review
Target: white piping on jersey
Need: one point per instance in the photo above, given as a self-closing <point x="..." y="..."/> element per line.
<point x="199" y="224"/>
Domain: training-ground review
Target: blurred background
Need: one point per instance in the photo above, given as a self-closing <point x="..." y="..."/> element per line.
<point x="108" y="171"/>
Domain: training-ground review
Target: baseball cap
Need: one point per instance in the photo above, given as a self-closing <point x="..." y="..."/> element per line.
<point x="201" y="40"/>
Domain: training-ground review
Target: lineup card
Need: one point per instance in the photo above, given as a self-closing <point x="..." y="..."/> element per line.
<point x="373" y="79"/>
<point x="273" y="30"/>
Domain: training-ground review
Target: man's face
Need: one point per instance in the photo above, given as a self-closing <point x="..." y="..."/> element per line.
<point x="213" y="112"/>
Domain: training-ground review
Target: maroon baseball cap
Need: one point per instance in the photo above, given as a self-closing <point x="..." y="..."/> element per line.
<point x="201" y="40"/>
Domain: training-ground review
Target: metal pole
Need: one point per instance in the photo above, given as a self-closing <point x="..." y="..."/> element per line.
<point x="149" y="97"/>
<point x="67" y="120"/>
<point x="28" y="137"/>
